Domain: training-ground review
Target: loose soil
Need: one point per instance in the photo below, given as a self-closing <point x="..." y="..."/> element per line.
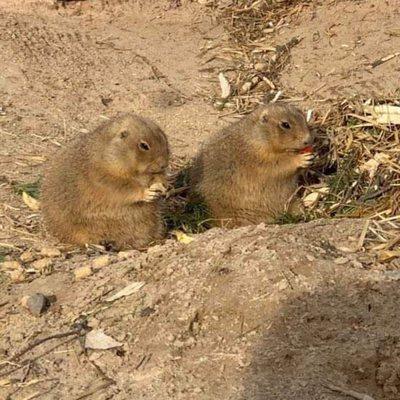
<point x="262" y="312"/>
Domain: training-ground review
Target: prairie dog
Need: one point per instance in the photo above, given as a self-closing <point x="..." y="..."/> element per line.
<point x="103" y="186"/>
<point x="247" y="173"/>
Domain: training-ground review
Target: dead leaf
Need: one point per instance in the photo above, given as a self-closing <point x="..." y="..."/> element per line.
<point x="98" y="340"/>
<point x="388" y="255"/>
<point x="225" y="86"/>
<point x="182" y="237"/>
<point x="126" y="291"/>
<point x="384" y="114"/>
<point x="311" y="199"/>
<point x="372" y="165"/>
<point x="31" y="202"/>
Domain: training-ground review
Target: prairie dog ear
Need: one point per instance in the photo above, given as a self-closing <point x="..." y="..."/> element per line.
<point x="124" y="134"/>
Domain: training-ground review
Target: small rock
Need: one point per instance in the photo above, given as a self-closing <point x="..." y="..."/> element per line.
<point x="83" y="272"/>
<point x="260" y="66"/>
<point x="101" y="262"/>
<point x="17" y="276"/>
<point x="310" y="257"/>
<point x="123" y="255"/>
<point x="145" y="312"/>
<point x="10" y="266"/>
<point x="179" y="344"/>
<point x="42" y="264"/>
<point x="246" y="87"/>
<point x="51" y="252"/>
<point x="93" y="323"/>
<point x="27" y="256"/>
<point x="341" y="260"/>
<point x="36" y="303"/>
<point x="346" y="249"/>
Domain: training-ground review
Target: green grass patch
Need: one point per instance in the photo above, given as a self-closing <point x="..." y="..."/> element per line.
<point x="31" y="188"/>
<point x="190" y="217"/>
<point x="288" y="218"/>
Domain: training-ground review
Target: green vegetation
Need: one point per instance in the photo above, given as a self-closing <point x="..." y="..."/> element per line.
<point x="31" y="188"/>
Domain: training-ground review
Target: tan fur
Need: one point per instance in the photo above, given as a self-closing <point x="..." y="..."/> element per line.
<point x="247" y="173"/>
<point x="103" y="186"/>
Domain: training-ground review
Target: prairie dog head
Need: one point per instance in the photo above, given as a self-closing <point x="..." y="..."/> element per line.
<point x="133" y="146"/>
<point x="280" y="128"/>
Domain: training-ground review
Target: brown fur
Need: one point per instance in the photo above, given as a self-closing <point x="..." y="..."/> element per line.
<point x="247" y="173"/>
<point x="103" y="186"/>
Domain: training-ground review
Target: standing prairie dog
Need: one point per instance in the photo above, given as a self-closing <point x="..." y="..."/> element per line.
<point x="103" y="186"/>
<point x="247" y="173"/>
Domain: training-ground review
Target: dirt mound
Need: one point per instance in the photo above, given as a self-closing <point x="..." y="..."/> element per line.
<point x="254" y="313"/>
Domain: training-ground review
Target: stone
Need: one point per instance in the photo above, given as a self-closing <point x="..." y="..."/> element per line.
<point x="27" y="256"/>
<point x="101" y="262"/>
<point x="17" y="276"/>
<point x="123" y="255"/>
<point x="36" y="303"/>
<point x="341" y="260"/>
<point x="42" y="264"/>
<point x="50" y="252"/>
<point x="260" y="67"/>
<point x="11" y="266"/>
<point x="83" y="272"/>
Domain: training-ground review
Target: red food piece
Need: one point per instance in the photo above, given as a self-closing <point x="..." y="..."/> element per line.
<point x="308" y="149"/>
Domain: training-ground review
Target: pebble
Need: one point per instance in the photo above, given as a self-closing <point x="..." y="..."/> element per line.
<point x="123" y="255"/>
<point x="310" y="257"/>
<point x="51" y="252"/>
<point x="42" y="264"/>
<point x="145" y="312"/>
<point x="260" y="67"/>
<point x="341" y="260"/>
<point x="246" y="87"/>
<point x="36" y="303"/>
<point x="17" y="276"/>
<point x="27" y="256"/>
<point x="83" y="272"/>
<point x="11" y="266"/>
<point x="101" y="262"/>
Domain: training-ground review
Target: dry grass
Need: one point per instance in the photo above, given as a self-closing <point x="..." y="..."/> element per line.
<point x="358" y="170"/>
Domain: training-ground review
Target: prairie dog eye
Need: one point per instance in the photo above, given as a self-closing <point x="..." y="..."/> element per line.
<point x="144" y="146"/>
<point x="285" y="125"/>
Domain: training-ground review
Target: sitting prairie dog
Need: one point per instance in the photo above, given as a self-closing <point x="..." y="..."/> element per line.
<point x="103" y="186"/>
<point x="247" y="173"/>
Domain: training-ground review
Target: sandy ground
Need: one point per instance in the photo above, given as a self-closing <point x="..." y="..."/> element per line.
<point x="279" y="312"/>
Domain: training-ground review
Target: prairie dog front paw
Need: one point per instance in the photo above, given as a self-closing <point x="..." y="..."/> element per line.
<point x="153" y="192"/>
<point x="305" y="160"/>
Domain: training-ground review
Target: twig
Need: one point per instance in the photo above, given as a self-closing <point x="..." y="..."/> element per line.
<point x="25" y="362"/>
<point x="96" y="389"/>
<point x="348" y="392"/>
<point x="363" y="235"/>
<point x="38" y="342"/>
<point x="382" y="60"/>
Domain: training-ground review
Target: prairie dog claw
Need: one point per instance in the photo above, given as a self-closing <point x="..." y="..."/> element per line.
<point x="154" y="191"/>
<point x="306" y="160"/>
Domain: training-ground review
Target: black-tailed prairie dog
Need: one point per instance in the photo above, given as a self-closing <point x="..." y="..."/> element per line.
<point x="247" y="173"/>
<point x="103" y="186"/>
